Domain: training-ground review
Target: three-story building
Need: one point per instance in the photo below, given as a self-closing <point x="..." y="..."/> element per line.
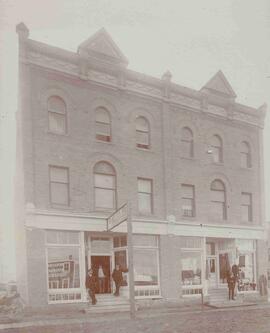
<point x="93" y="135"/>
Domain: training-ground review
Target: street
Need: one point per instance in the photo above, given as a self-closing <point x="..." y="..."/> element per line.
<point x="240" y="320"/>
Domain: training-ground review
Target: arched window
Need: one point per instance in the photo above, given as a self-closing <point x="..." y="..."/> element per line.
<point x="187" y="149"/>
<point x="57" y="115"/>
<point x="245" y="155"/>
<point x="104" y="186"/>
<point x="218" y="200"/>
<point x="142" y="133"/>
<point x="217" y="149"/>
<point x="103" y="125"/>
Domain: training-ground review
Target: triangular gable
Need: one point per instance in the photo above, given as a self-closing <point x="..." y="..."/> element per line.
<point x="102" y="43"/>
<point x="219" y="84"/>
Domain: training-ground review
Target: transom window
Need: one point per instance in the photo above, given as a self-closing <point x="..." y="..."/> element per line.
<point x="57" y="115"/>
<point x="145" y="196"/>
<point x="218" y="200"/>
<point x="217" y="149"/>
<point x="246" y="207"/>
<point x="187" y="149"/>
<point x="59" y="185"/>
<point x="188" y="200"/>
<point x="142" y="133"/>
<point x="245" y="155"/>
<point x="104" y="186"/>
<point x="103" y="125"/>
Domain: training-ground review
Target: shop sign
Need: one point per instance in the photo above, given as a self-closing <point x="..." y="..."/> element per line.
<point x="119" y="216"/>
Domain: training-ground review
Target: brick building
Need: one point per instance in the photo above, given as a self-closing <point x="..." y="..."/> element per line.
<point x="93" y="135"/>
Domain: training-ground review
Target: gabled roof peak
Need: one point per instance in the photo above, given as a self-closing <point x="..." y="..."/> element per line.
<point x="101" y="44"/>
<point x="219" y="85"/>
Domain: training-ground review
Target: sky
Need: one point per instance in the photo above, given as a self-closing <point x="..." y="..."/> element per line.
<point x="193" y="39"/>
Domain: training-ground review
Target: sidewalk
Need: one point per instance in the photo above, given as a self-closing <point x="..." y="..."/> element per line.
<point x="53" y="315"/>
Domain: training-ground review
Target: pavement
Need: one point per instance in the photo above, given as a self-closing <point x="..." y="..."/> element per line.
<point x="72" y="315"/>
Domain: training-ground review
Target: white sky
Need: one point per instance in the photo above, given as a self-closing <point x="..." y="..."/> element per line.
<point x="191" y="38"/>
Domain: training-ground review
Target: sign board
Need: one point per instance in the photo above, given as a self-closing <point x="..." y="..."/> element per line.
<point x="119" y="216"/>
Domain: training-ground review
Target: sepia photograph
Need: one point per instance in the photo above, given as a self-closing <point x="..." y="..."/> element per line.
<point x="134" y="166"/>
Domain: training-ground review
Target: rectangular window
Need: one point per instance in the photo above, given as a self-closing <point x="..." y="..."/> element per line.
<point x="63" y="266"/>
<point x="191" y="262"/>
<point x="59" y="185"/>
<point x="188" y="200"/>
<point x="57" y="122"/>
<point x="145" y="196"/>
<point x="104" y="191"/>
<point x="103" y="132"/>
<point x="246" y="207"/>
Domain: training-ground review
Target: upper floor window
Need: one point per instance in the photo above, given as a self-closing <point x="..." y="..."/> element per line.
<point x="187" y="142"/>
<point x="104" y="186"/>
<point x="103" y="125"/>
<point x="246" y="207"/>
<point x="57" y="115"/>
<point x="142" y="133"/>
<point x="217" y="149"/>
<point x="218" y="200"/>
<point x="59" y="185"/>
<point x="145" y="196"/>
<point x="245" y="155"/>
<point x="188" y="200"/>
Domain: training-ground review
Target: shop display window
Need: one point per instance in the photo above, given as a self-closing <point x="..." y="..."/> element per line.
<point x="191" y="268"/>
<point x="145" y="267"/>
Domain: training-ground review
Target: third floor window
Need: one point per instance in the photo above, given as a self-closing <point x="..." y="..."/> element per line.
<point x="103" y="125"/>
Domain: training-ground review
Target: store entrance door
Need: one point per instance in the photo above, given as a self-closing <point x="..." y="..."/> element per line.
<point x="102" y="270"/>
<point x="211" y="264"/>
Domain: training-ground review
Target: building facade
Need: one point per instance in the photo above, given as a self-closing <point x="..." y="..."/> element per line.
<point x="93" y="135"/>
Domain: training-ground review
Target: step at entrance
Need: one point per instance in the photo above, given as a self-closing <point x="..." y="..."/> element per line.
<point x="108" y="303"/>
<point x="218" y="295"/>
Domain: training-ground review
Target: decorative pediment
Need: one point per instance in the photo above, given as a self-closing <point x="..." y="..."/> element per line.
<point x="219" y="85"/>
<point x="101" y="44"/>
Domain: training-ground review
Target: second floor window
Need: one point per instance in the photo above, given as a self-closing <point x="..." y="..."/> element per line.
<point x="104" y="186"/>
<point x="218" y="200"/>
<point x="217" y="149"/>
<point x="103" y="125"/>
<point x="188" y="200"/>
<point x="245" y="155"/>
<point x="145" y="196"/>
<point x="187" y="142"/>
<point x="142" y="133"/>
<point x="246" y="207"/>
<point x="57" y="115"/>
<point x="59" y="185"/>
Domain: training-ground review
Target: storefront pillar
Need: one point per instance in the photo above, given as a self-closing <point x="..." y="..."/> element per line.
<point x="170" y="254"/>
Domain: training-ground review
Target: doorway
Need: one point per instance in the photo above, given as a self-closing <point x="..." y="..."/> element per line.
<point x="102" y="269"/>
<point x="211" y="264"/>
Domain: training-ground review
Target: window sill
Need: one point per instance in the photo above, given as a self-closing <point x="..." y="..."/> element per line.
<point x="56" y="133"/>
<point x="188" y="158"/>
<point x="105" y="142"/>
<point x="145" y="149"/>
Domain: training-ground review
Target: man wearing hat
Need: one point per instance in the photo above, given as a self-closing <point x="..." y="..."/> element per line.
<point x="91" y="285"/>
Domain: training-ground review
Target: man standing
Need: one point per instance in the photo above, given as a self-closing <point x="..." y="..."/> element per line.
<point x="91" y="285"/>
<point x="231" y="285"/>
<point x="117" y="276"/>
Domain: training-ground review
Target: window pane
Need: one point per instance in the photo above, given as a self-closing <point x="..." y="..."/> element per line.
<point x="187" y="191"/>
<point x="246" y="272"/>
<point x="56" y="104"/>
<point x="246" y="199"/>
<point x="145" y="204"/>
<point x="57" y="122"/>
<point x="216" y="153"/>
<point x="217" y="210"/>
<point x="59" y="193"/>
<point x="187" y="207"/>
<point x="145" y="267"/>
<point x="244" y="160"/>
<point x="103" y="129"/>
<point x="142" y="138"/>
<point x="142" y="124"/>
<point x="144" y="240"/>
<point x="144" y="185"/>
<point x="62" y="237"/>
<point x="104" y="198"/>
<point x="104" y="167"/>
<point x="58" y="174"/>
<point x="104" y="181"/>
<point x="187" y="148"/>
<point x="245" y="213"/>
<point x="102" y="116"/>
<point x="191" y="268"/>
<point x="63" y="268"/>
<point x="218" y="196"/>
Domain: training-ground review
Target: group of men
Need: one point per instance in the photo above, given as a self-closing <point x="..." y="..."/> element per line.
<point x="94" y="282"/>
